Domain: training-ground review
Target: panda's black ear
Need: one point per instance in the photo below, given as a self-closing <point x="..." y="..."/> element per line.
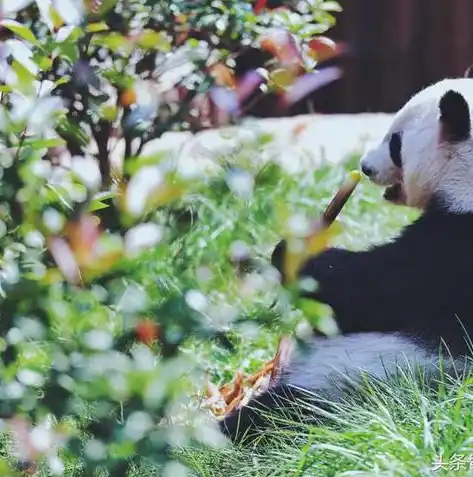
<point x="468" y="72"/>
<point x="454" y="117"/>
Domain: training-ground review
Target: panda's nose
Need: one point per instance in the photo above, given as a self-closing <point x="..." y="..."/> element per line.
<point x="367" y="170"/>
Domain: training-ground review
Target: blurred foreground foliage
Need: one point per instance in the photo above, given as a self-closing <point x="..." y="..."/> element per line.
<point x="105" y="288"/>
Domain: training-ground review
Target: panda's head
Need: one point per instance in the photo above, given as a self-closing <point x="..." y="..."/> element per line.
<point x="428" y="150"/>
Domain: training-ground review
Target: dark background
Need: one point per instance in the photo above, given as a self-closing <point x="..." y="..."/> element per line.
<point x="396" y="48"/>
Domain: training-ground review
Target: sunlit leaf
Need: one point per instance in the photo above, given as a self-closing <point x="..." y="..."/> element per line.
<point x="281" y="78"/>
<point x="97" y="27"/>
<point x="116" y="42"/>
<point x="45" y="63"/>
<point x="100" y="201"/>
<point x="20" y="30"/>
<point x="109" y="113"/>
<point x="331" y="6"/>
<point x="149" y="39"/>
<point x="24" y="76"/>
<point x="44" y="143"/>
<point x="57" y="20"/>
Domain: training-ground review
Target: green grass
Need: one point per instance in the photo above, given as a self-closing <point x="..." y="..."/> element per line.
<point x="399" y="430"/>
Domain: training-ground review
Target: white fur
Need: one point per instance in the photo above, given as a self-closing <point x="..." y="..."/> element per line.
<point x="376" y="354"/>
<point x="428" y="165"/>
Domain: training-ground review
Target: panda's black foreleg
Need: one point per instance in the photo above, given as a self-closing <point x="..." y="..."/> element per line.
<point x="324" y="265"/>
<point x="348" y="281"/>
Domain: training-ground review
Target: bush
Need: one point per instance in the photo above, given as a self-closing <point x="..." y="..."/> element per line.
<point x="105" y="284"/>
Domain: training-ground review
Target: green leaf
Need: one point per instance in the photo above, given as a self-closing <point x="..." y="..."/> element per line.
<point x="97" y="27"/>
<point x="98" y="202"/>
<point x="319" y="315"/>
<point x="151" y="40"/>
<point x="69" y="130"/>
<point x="114" y="41"/>
<point x="44" y="62"/>
<point x="61" y="81"/>
<point x="20" y="30"/>
<point x="109" y="113"/>
<point x="36" y="144"/>
<point x="24" y="76"/>
<point x="69" y="50"/>
<point x="331" y="6"/>
<point x="134" y="164"/>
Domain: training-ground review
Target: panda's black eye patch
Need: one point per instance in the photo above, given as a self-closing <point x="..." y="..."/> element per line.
<point x="395" y="144"/>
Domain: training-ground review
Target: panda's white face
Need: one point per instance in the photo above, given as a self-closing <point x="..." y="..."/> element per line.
<point x="428" y="149"/>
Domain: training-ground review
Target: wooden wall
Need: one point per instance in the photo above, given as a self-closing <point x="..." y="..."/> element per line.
<point x="396" y="48"/>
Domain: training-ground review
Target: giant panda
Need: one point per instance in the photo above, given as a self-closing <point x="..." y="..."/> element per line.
<point x="408" y="302"/>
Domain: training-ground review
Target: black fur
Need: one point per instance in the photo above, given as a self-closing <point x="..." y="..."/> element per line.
<point x="454" y="117"/>
<point x="400" y="298"/>
<point x="395" y="146"/>
<point x="416" y="284"/>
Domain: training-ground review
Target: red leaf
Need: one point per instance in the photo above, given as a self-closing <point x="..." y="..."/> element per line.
<point x="147" y="331"/>
<point x="322" y="48"/>
<point x="259" y="6"/>
<point x="282" y="45"/>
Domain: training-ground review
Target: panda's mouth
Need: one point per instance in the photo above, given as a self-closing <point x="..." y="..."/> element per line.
<point x="395" y="194"/>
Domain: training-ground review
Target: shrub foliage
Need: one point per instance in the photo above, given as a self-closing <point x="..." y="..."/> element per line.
<point x="102" y="284"/>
